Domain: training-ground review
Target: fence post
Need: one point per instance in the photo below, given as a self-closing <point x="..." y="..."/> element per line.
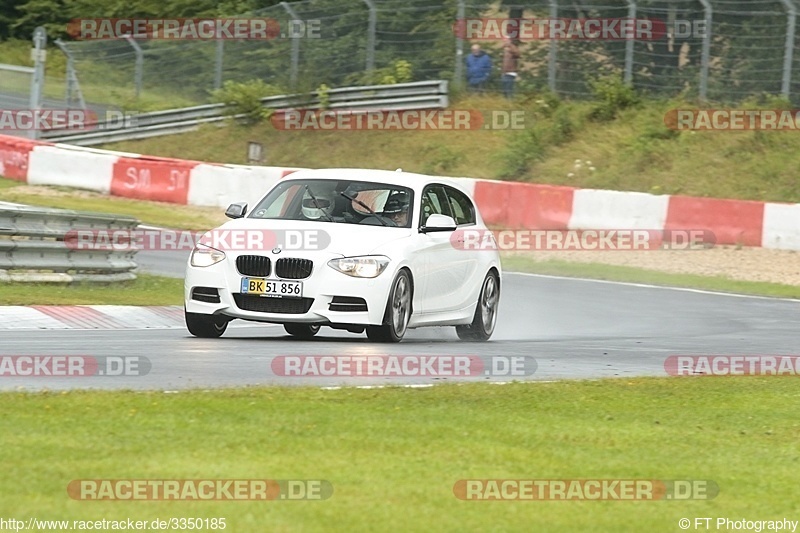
<point x="139" y="72"/>
<point x="629" y="45"/>
<point x="37" y="82"/>
<point x="552" y="56"/>
<point x="706" y="52"/>
<point x="295" y="48"/>
<point x="373" y="22"/>
<point x="788" y="54"/>
<point x="458" y="70"/>
<point x="218" y="64"/>
<point x="73" y="91"/>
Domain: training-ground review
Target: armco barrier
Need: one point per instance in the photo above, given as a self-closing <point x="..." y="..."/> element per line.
<point x="502" y="204"/>
<point x="34" y="246"/>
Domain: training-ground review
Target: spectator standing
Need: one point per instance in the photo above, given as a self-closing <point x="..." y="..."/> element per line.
<point x="509" y="67"/>
<point x="479" y="67"/>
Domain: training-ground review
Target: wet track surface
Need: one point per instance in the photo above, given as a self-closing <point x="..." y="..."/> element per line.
<point x="573" y="329"/>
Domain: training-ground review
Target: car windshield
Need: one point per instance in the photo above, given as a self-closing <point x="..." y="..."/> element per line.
<point x="338" y="201"/>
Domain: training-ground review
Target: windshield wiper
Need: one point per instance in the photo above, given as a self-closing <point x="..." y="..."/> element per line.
<point x="316" y="203"/>
<point x="365" y="206"/>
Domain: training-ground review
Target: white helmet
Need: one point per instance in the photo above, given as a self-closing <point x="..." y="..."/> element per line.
<point x="322" y="207"/>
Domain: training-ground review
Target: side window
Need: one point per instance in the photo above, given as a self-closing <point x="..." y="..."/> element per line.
<point x="461" y="206"/>
<point x="434" y="201"/>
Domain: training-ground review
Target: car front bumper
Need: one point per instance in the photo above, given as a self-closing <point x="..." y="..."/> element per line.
<point x="322" y="286"/>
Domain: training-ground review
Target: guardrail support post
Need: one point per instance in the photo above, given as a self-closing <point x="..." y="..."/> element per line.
<point x="138" y="73"/>
<point x="295" y="48"/>
<point x="706" y="51"/>
<point x="629" y="45"/>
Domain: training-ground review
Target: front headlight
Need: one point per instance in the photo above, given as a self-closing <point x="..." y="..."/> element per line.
<point x="203" y="256"/>
<point x="366" y="266"/>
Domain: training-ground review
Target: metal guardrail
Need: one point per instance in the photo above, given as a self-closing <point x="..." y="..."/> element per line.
<point x="35" y="246"/>
<point x="402" y="96"/>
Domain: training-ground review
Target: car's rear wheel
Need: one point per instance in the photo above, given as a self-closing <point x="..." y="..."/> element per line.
<point x="206" y="326"/>
<point x="302" y="331"/>
<point x="485" y="317"/>
<point x="398" y="312"/>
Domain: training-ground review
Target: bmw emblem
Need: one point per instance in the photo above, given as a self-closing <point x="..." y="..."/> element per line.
<point x="276" y="250"/>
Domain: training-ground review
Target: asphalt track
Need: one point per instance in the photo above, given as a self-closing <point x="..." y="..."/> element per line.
<point x="572" y="328"/>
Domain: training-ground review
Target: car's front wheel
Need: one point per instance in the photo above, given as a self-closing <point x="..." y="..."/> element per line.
<point x="398" y="312"/>
<point x="302" y="331"/>
<point x="206" y="326"/>
<point x="485" y="317"/>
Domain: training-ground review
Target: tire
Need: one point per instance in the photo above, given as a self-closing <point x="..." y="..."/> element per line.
<point x="485" y="318"/>
<point x="206" y="326"/>
<point x="302" y="331"/>
<point x="398" y="312"/>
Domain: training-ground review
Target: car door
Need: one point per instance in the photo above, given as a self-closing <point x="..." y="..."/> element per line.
<point x="444" y="266"/>
<point x="468" y="261"/>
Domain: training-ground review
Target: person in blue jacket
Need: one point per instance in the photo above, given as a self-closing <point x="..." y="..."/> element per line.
<point x="479" y="66"/>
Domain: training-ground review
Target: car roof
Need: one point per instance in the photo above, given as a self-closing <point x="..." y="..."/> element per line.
<point x="406" y="179"/>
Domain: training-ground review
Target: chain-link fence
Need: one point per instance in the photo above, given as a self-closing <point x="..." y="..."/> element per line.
<point x="729" y="51"/>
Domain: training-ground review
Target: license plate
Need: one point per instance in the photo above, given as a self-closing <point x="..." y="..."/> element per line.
<point x="274" y="288"/>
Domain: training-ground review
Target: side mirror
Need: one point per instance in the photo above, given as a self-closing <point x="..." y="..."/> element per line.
<point x="236" y="210"/>
<point x="438" y="222"/>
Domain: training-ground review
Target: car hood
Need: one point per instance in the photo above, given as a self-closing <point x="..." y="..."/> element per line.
<point x="334" y="238"/>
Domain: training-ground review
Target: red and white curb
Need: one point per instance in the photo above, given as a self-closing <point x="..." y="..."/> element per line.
<point x="83" y="317"/>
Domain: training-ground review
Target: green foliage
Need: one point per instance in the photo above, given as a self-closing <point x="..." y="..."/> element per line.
<point x="611" y="95"/>
<point x="563" y="128"/>
<point x="245" y="99"/>
<point x="523" y="148"/>
<point x="400" y="71"/>
<point x="440" y="159"/>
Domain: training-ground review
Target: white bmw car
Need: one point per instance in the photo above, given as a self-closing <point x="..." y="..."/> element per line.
<point x="348" y="249"/>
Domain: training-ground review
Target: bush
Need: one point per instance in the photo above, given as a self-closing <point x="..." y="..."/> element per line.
<point x="522" y="149"/>
<point x="611" y="95"/>
<point x="400" y="71"/>
<point x="245" y="99"/>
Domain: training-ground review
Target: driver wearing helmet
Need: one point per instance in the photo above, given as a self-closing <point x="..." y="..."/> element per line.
<point x="317" y="206"/>
<point x="396" y="208"/>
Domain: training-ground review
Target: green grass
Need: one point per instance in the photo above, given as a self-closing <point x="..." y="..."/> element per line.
<point x="144" y="290"/>
<point x="554" y="267"/>
<point x="393" y="455"/>
<point x="153" y="213"/>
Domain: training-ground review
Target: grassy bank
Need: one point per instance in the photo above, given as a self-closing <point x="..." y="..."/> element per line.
<point x="560" y="144"/>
